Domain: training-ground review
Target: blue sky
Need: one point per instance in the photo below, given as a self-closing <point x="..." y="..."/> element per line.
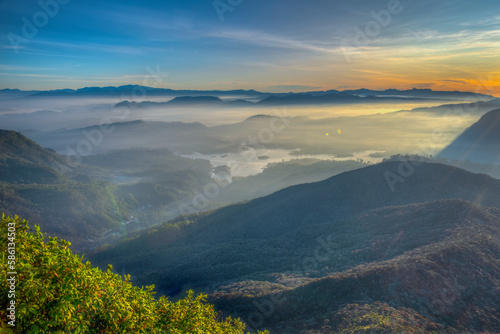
<point x="273" y="45"/>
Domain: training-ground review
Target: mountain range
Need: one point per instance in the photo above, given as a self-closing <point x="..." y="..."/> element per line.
<point x="312" y="97"/>
<point x="127" y="90"/>
<point x="336" y="248"/>
<point x="177" y="101"/>
<point x="403" y="246"/>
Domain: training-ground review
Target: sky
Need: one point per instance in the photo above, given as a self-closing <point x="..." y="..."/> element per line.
<point x="267" y="45"/>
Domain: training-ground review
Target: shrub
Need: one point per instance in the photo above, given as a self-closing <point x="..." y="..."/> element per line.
<point x="57" y="293"/>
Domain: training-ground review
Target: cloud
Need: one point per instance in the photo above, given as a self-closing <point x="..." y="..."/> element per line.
<point x="298" y="42"/>
<point x="424" y="85"/>
<point x="292" y="87"/>
<point x="461" y="81"/>
<point x="272" y="41"/>
<point x="5" y="67"/>
<point x="32" y="75"/>
<point x="111" y="48"/>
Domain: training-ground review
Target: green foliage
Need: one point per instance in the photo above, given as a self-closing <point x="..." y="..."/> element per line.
<point x="57" y="293"/>
<point x="381" y="318"/>
<point x="95" y="200"/>
<point x="73" y="210"/>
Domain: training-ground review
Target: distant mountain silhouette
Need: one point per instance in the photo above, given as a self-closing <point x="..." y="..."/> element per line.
<point x="196" y="100"/>
<point x="186" y="101"/>
<point x="365" y="95"/>
<point x="325" y="96"/>
<point x="133" y="90"/>
<point x="422" y="93"/>
<point x="480" y="143"/>
<point x="16" y="93"/>
<point x="478" y="107"/>
<point x="150" y="134"/>
<point x="306" y="98"/>
<point x="239" y="103"/>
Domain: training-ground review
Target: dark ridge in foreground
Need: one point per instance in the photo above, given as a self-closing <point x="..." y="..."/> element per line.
<point x="426" y="255"/>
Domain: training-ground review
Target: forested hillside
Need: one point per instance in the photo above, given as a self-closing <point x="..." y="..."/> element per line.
<point x="338" y="249"/>
<point x="59" y="292"/>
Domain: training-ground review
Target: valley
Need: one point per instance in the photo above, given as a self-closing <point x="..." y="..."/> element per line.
<point x="250" y="167"/>
<point x="292" y="224"/>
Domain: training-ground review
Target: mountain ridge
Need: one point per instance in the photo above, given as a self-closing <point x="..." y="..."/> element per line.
<point x="416" y="258"/>
<point x="480" y="143"/>
<point x="129" y="89"/>
<point x="339" y="198"/>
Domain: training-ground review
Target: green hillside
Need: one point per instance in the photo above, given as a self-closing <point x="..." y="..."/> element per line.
<point x="332" y="245"/>
<point x="22" y="161"/>
<point x="96" y="199"/>
<point x="34" y="184"/>
<point x="56" y="292"/>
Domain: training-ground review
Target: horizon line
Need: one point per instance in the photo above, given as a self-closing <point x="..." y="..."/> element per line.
<point x="241" y="89"/>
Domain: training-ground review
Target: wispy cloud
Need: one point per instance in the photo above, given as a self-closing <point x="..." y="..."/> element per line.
<point x="109" y="48"/>
<point x="460" y="81"/>
<point x="4" y="67"/>
<point x="263" y="39"/>
<point x="292" y="87"/>
<point x="33" y="75"/>
<point x="287" y="44"/>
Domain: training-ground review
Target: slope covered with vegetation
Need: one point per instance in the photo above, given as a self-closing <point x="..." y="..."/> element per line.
<point x="277" y="176"/>
<point x="35" y="184"/>
<point x="425" y="256"/>
<point x="56" y="292"/>
<point x="446" y="285"/>
<point x="96" y="199"/>
<point x="22" y="161"/>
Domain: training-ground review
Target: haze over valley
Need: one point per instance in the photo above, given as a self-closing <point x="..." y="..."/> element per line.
<point x="241" y="167"/>
<point x="139" y="193"/>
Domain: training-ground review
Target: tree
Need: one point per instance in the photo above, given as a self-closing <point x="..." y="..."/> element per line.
<point x="55" y="292"/>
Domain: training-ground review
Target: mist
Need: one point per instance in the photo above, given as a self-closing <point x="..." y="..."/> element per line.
<point x="225" y="130"/>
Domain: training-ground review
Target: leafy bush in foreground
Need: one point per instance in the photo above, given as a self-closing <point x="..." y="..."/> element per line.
<point x="57" y="293"/>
